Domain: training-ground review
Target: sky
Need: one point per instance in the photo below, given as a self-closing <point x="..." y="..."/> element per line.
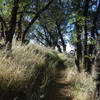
<point x="69" y="47"/>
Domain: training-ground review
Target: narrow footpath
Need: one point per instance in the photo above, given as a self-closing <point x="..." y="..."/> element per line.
<point x="60" y="89"/>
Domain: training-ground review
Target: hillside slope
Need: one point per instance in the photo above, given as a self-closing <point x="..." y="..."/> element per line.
<point x="26" y="75"/>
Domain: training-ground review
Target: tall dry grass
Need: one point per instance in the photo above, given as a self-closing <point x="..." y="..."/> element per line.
<point x="27" y="73"/>
<point x="82" y="84"/>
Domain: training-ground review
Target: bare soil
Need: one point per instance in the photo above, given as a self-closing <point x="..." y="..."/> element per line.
<point x="60" y="89"/>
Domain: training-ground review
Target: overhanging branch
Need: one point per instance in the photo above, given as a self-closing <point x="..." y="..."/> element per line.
<point x="35" y="18"/>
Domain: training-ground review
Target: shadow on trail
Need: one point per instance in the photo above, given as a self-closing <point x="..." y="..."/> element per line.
<point x="59" y="88"/>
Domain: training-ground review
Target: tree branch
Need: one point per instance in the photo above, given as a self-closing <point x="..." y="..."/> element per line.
<point x="35" y="18"/>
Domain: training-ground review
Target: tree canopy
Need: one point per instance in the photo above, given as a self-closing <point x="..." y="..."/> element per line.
<point x="53" y="23"/>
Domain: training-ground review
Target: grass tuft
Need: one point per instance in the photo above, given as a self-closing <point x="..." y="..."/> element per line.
<point x="81" y="83"/>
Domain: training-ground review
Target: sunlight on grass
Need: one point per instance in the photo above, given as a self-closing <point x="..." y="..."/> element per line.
<point x="82" y="84"/>
<point x="27" y="66"/>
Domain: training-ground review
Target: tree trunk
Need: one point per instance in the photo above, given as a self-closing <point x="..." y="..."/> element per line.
<point x="1" y="31"/>
<point x="61" y="37"/>
<point x="91" y="49"/>
<point x="3" y="21"/>
<point x="9" y="33"/>
<point x="78" y="48"/>
<point x="59" y="48"/>
<point x="84" y="27"/>
<point x="55" y="41"/>
<point x="92" y="45"/>
<point x="96" y="77"/>
<point x="8" y="42"/>
<point x="84" y="53"/>
<point x="19" y="34"/>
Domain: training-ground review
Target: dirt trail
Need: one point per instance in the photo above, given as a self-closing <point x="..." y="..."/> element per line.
<point x="60" y="89"/>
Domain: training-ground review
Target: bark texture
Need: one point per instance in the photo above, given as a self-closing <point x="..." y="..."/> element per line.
<point x="84" y="28"/>
<point x="96" y="77"/>
<point x="10" y="32"/>
<point x="78" y="48"/>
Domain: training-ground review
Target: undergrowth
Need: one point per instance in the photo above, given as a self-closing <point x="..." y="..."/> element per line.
<point x="27" y="73"/>
<point x="81" y="83"/>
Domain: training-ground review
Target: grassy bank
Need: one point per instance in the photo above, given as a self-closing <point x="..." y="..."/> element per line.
<point x="27" y="73"/>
